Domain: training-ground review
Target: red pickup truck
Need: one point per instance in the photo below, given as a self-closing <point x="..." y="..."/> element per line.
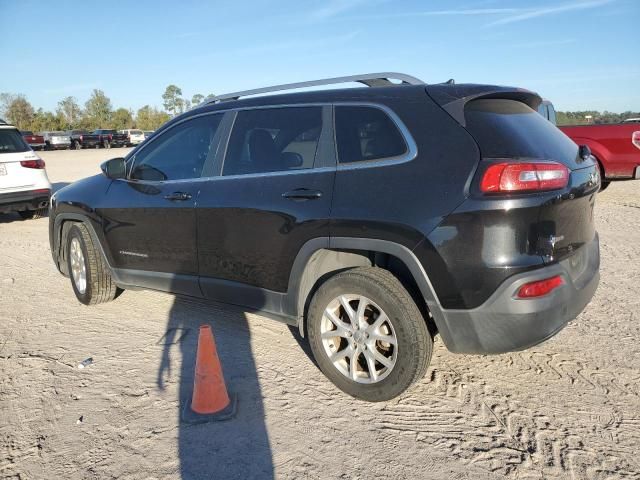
<point x="36" y="142"/>
<point x="616" y="146"/>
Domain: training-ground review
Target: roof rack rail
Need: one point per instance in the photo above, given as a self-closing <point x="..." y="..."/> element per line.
<point x="382" y="79"/>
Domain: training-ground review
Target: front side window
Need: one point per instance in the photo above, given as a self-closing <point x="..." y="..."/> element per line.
<point x="273" y="140"/>
<point x="366" y="133"/>
<point x="179" y="153"/>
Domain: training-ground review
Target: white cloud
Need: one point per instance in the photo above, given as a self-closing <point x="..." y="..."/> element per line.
<point x="542" y="12"/>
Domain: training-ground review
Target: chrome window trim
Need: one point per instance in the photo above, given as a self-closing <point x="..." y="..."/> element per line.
<point x="410" y="154"/>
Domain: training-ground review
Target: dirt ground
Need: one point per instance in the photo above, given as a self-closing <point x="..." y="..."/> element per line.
<point x="569" y="408"/>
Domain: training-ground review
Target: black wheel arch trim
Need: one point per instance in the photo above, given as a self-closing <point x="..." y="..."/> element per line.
<point x="299" y="284"/>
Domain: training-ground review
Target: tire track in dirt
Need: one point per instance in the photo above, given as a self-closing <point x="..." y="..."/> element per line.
<point x="476" y="424"/>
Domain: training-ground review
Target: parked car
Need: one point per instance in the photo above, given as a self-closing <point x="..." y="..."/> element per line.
<point x="147" y="133"/>
<point x="24" y="186"/>
<point x="631" y="120"/>
<point x="134" y="136"/>
<point x="370" y="218"/>
<point x="616" y="147"/>
<point x="83" y="139"/>
<point x="56" y="140"/>
<point x="110" y="138"/>
<point x="36" y="142"/>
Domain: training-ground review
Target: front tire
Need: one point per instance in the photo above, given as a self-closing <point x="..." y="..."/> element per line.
<point x="90" y="276"/>
<point x="367" y="334"/>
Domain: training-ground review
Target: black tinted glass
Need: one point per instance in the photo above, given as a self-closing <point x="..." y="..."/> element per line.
<point x="273" y="140"/>
<point x="178" y="153"/>
<point x="508" y="128"/>
<point x="366" y="133"/>
<point x="11" y="141"/>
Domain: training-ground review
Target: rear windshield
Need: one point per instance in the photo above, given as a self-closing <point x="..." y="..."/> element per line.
<point x="136" y="132"/>
<point x="508" y="128"/>
<point x="11" y="141"/>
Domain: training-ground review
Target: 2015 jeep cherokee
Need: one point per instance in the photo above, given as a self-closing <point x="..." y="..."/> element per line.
<point x="371" y="218"/>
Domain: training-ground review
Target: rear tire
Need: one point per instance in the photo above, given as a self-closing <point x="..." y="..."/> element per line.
<point x="369" y="341"/>
<point x="90" y="276"/>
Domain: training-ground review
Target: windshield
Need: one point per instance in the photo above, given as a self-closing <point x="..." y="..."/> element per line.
<point x="11" y="141"/>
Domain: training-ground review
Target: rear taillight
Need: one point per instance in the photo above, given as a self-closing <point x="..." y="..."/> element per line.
<point x="524" y="177"/>
<point x="635" y="138"/>
<point x="32" y="163"/>
<point x="540" y="288"/>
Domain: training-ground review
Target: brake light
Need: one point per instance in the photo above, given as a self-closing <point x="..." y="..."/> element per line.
<point x="540" y="288"/>
<point x="635" y="138"/>
<point x="524" y="177"/>
<point x="32" y="163"/>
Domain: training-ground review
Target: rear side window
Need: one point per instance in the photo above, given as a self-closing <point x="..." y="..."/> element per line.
<point x="366" y="133"/>
<point x="11" y="141"/>
<point x="273" y="140"/>
<point x="179" y="153"/>
<point x="510" y="129"/>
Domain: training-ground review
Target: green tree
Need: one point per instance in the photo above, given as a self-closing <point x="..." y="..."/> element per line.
<point x="121" y="119"/>
<point x="17" y="110"/>
<point x="70" y="111"/>
<point x="172" y="100"/>
<point x="46" y="121"/>
<point x="98" y="110"/>
<point x="197" y="99"/>
<point x="150" y="118"/>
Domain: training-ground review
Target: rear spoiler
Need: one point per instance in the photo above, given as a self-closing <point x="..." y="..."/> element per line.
<point x="453" y="98"/>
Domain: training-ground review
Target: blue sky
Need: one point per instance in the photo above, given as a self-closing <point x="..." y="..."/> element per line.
<point x="581" y="54"/>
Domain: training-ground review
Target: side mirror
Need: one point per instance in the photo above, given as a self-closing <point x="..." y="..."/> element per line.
<point x="584" y="152"/>
<point x="114" y="168"/>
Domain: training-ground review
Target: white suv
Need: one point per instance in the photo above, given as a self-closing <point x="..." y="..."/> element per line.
<point x="135" y="136"/>
<point x="24" y="185"/>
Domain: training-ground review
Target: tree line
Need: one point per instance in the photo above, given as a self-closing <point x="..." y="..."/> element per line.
<point x="97" y="112"/>
<point x="593" y="116"/>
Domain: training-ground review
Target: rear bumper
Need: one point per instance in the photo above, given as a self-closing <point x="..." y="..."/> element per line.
<point x="504" y="323"/>
<point x="59" y="146"/>
<point x="29" y="200"/>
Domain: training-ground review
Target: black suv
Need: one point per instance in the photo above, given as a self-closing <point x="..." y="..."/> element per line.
<point x="370" y="218"/>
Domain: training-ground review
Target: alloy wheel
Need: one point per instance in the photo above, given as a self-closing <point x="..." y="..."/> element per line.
<point x="359" y="339"/>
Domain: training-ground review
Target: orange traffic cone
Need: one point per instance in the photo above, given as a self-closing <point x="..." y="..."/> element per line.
<point x="210" y="399"/>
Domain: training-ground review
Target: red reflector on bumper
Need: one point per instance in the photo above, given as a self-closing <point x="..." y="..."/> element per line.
<point x="540" y="288"/>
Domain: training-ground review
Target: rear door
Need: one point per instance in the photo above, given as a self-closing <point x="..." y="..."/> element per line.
<point x="272" y="194"/>
<point x="149" y="218"/>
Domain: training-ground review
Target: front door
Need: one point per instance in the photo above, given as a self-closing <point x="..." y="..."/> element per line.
<point x="273" y="195"/>
<point x="149" y="219"/>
